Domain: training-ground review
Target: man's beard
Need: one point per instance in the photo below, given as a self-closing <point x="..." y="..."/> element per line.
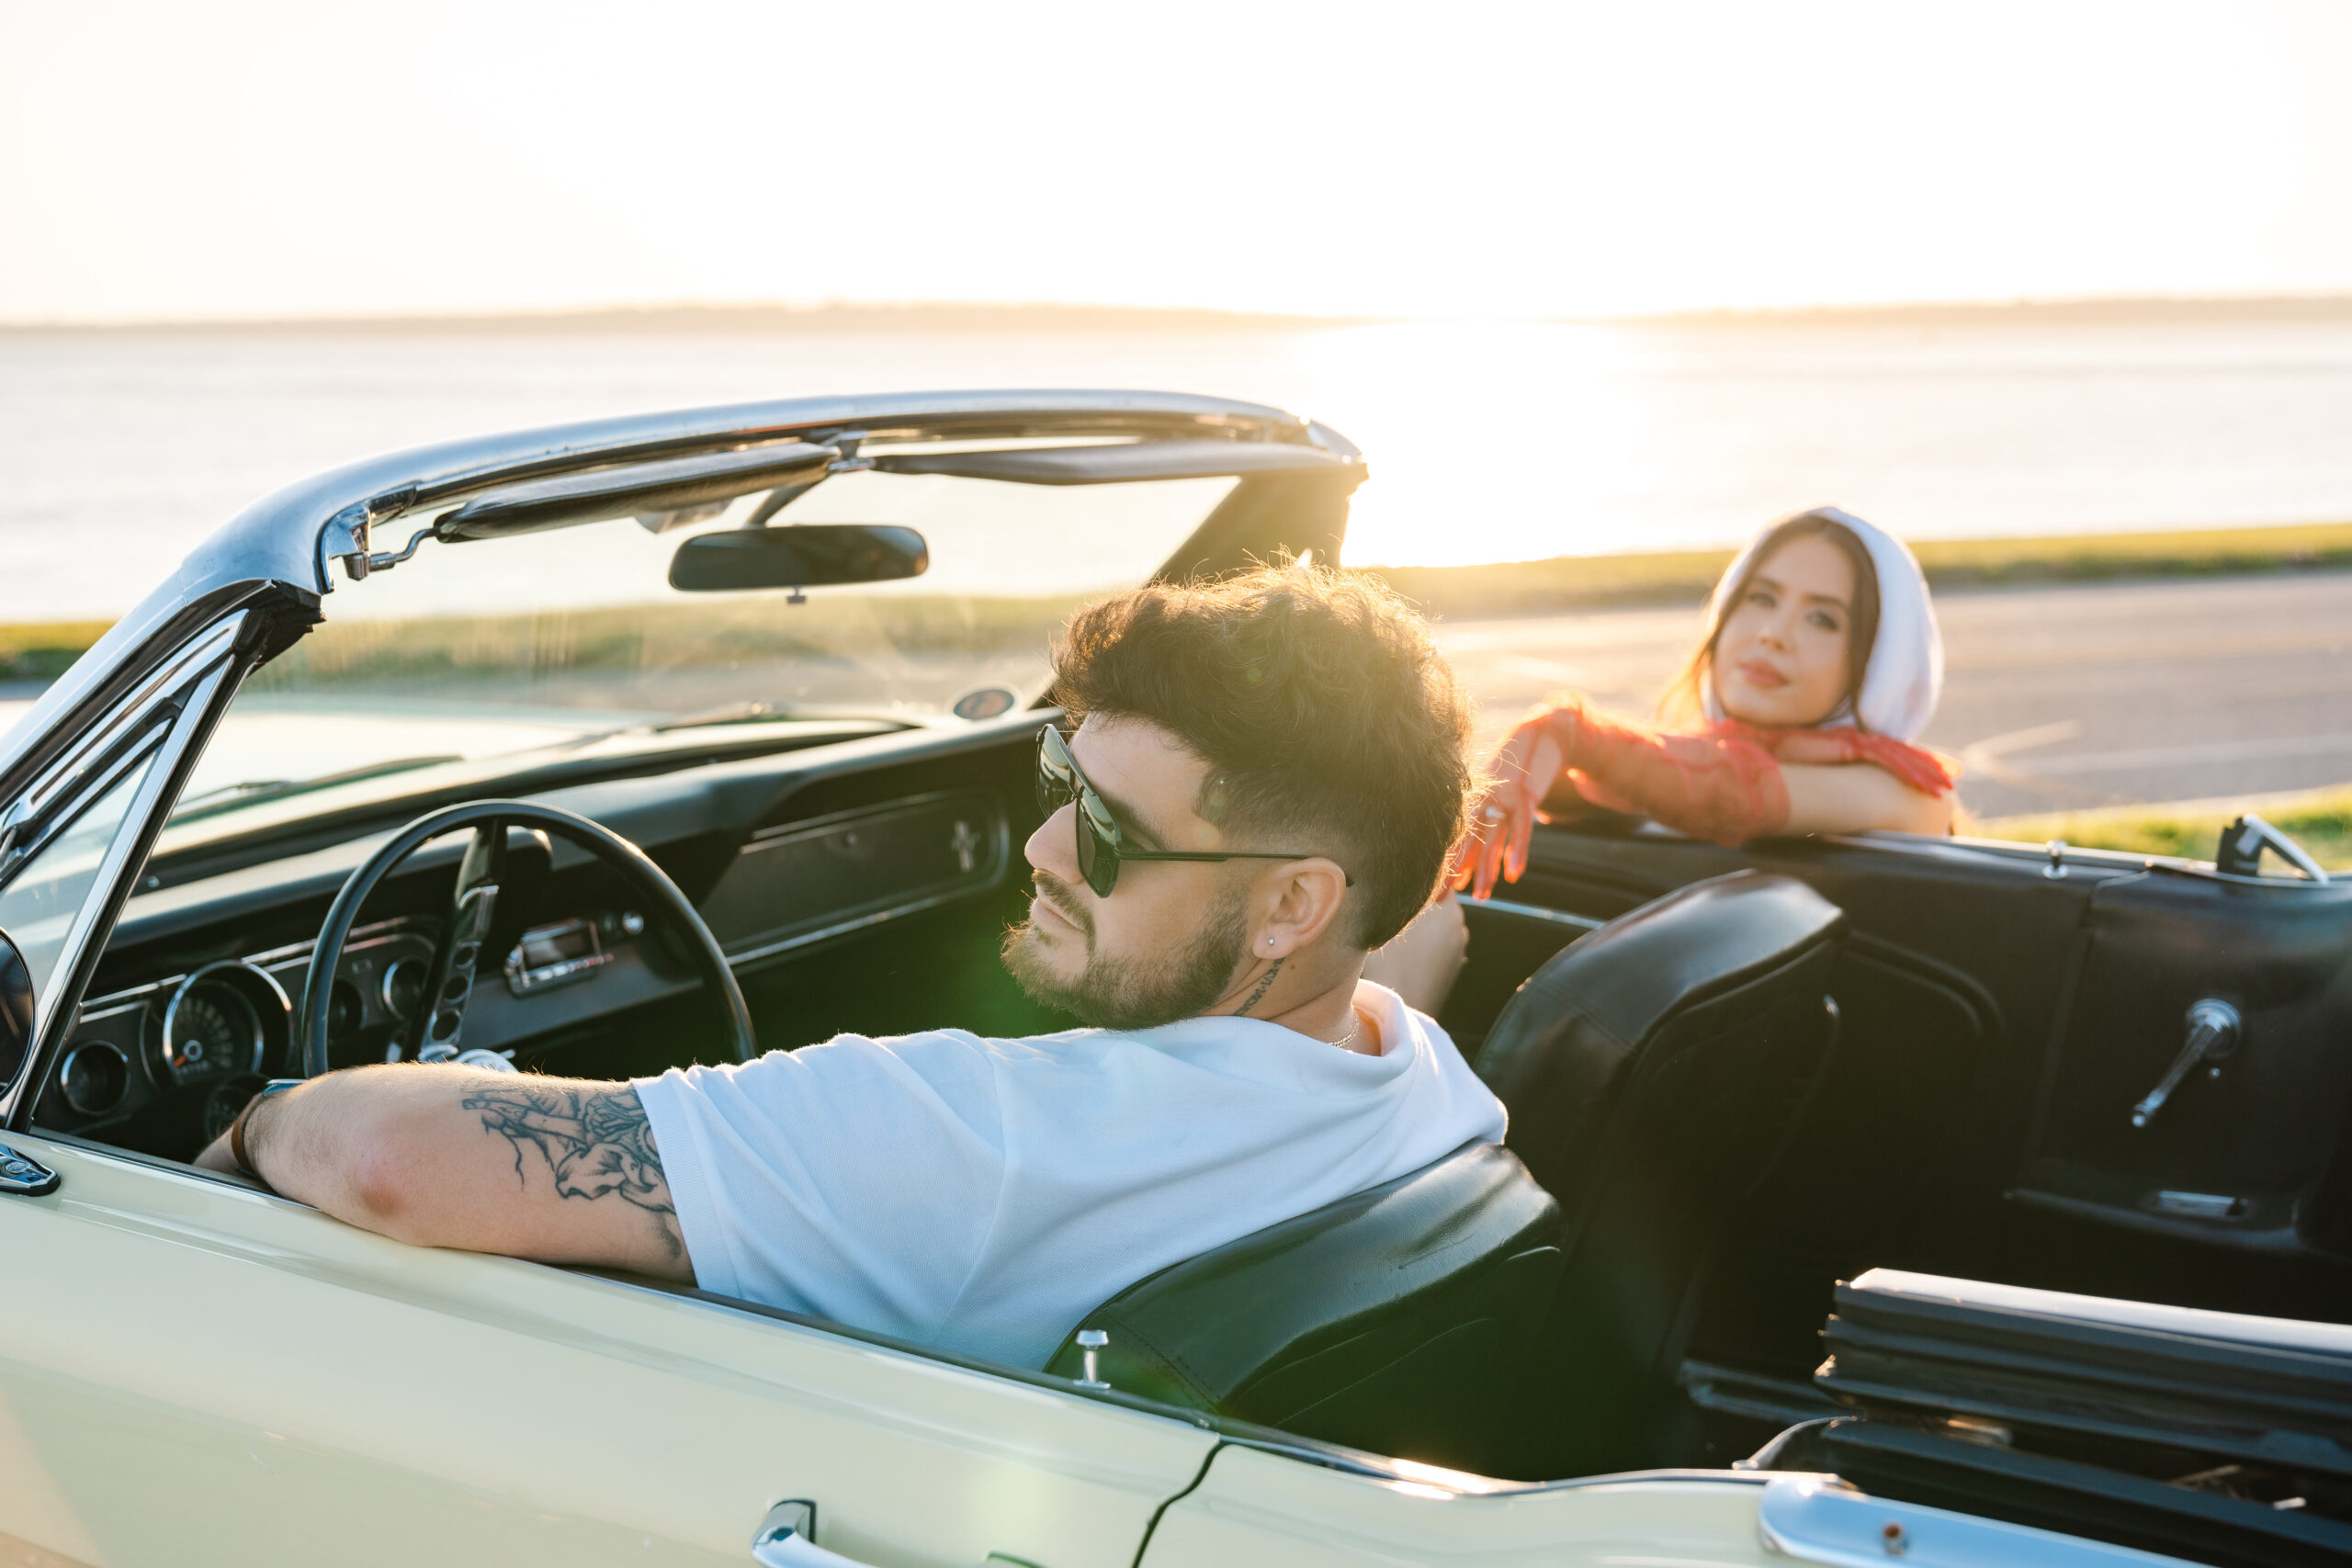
<point x="1132" y="994"/>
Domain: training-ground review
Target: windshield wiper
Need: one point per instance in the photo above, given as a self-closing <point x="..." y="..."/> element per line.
<point x="227" y="797"/>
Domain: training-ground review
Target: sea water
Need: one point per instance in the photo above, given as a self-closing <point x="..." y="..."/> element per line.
<point x="120" y="450"/>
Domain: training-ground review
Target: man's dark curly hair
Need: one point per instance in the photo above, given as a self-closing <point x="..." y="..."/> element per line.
<point x="1324" y="711"/>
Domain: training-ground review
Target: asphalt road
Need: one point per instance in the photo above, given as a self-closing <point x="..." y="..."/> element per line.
<point x="2054" y="698"/>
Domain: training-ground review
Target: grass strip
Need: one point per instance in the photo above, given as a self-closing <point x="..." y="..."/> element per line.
<point x="42" y="649"/>
<point x="717" y="633"/>
<point x="2321" y="821"/>
<point x="1566" y="582"/>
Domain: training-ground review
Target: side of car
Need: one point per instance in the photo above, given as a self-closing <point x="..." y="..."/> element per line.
<point x="1991" y="1109"/>
<point x="193" y="1369"/>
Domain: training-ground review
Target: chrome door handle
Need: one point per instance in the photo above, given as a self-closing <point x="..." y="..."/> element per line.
<point x="785" y="1539"/>
<point x="25" y="1176"/>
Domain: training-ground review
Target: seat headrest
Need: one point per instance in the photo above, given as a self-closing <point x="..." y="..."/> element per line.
<point x="1671" y="953"/>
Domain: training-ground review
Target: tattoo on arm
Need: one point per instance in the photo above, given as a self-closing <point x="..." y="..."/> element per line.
<point x="594" y="1141"/>
<point x="1265" y="984"/>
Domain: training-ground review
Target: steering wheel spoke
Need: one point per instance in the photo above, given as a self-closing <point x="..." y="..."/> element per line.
<point x="458" y="952"/>
<point x="472" y="909"/>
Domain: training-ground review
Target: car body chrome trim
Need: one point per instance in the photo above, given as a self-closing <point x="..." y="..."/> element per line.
<point x="2109" y="862"/>
<point x="1815" y="1518"/>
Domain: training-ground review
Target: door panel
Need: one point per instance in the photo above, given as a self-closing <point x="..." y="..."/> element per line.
<point x="1257" y="1509"/>
<point x="191" y="1371"/>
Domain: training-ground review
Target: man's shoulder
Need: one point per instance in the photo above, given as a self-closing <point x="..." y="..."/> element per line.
<point x="929" y="1050"/>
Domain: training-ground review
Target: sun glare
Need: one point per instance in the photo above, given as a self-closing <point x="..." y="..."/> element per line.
<point x="1489" y="438"/>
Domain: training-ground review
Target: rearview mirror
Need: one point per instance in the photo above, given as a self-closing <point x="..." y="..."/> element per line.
<point x="808" y="555"/>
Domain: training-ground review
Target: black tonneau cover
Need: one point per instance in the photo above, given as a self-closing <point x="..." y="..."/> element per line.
<point x="2216" y="1437"/>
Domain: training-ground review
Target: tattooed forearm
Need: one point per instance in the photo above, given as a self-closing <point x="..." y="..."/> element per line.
<point x="594" y="1141"/>
<point x="1265" y="984"/>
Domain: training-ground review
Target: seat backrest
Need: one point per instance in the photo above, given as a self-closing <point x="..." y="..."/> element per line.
<point x="1384" y="1321"/>
<point x="1654" y="1072"/>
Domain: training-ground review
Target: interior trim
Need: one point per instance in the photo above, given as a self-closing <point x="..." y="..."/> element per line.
<point x="1537" y="912"/>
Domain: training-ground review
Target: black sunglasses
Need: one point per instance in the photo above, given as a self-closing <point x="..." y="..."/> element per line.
<point x="1098" y="848"/>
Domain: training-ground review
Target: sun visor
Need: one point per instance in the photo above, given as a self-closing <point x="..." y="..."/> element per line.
<point x="678" y="484"/>
<point x="1122" y="463"/>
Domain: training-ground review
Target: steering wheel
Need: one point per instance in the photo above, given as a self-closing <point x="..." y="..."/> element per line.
<point x="459" y="951"/>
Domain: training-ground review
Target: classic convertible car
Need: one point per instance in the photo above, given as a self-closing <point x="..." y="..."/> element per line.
<point x="538" y="752"/>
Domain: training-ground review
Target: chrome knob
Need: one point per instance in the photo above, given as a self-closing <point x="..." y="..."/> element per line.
<point x="1091" y="1341"/>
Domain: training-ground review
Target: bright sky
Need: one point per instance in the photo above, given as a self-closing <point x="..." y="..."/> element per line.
<point x="249" y="158"/>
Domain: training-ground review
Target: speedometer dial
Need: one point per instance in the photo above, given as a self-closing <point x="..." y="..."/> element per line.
<point x="210" y="1030"/>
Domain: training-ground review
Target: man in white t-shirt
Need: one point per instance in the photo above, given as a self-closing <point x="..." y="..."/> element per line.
<point x="1264" y="782"/>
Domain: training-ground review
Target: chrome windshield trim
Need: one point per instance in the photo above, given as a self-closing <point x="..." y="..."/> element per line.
<point x="128" y="844"/>
<point x="165" y="684"/>
<point x="304" y="526"/>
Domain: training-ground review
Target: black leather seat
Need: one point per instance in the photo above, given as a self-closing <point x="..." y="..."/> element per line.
<point x="1654" y="1072"/>
<point x="1386" y="1321"/>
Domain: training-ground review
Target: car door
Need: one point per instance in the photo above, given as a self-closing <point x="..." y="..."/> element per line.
<point x="1261" y="1505"/>
<point x="193" y="1370"/>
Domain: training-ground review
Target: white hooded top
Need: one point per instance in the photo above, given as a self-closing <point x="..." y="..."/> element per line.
<point x="1905" y="675"/>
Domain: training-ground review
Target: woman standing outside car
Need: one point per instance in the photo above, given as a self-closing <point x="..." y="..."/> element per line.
<point x="1796" y="713"/>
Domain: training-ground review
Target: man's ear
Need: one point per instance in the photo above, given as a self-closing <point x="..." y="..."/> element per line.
<point x="1294" y="905"/>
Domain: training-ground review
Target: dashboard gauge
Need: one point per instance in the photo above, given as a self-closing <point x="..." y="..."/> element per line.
<point x="222" y="1020"/>
<point x="345" y="1011"/>
<point x="210" y="1030"/>
<point x="223" y="1102"/>
<point x="404" y="987"/>
<point x="95" y="1078"/>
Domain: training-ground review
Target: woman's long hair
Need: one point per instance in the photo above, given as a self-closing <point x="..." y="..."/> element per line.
<point x="1685" y="700"/>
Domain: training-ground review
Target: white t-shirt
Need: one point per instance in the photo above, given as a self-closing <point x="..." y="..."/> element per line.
<point x="979" y="1195"/>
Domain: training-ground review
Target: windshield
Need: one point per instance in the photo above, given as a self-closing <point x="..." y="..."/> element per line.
<point x="480" y="649"/>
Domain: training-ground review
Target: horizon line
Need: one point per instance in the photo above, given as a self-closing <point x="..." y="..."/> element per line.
<point x="708" y="315"/>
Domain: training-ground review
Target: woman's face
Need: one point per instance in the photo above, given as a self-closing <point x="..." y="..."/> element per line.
<point x="1781" y="658"/>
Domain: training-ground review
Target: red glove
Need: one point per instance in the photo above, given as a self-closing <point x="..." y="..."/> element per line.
<point x="1722" y="787"/>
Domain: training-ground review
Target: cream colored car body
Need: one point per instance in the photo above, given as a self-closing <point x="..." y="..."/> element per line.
<point x="196" y="1372"/>
<point x="193" y="1371"/>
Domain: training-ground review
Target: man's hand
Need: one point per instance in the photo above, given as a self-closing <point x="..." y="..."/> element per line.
<point x="564" y="1170"/>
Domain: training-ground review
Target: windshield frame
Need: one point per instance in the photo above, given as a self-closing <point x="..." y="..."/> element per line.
<point x="290" y="548"/>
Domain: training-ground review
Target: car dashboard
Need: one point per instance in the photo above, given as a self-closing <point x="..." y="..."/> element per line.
<point x="851" y="886"/>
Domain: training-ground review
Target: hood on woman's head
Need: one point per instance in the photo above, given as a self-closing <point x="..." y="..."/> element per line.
<point x="1904" y="675"/>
